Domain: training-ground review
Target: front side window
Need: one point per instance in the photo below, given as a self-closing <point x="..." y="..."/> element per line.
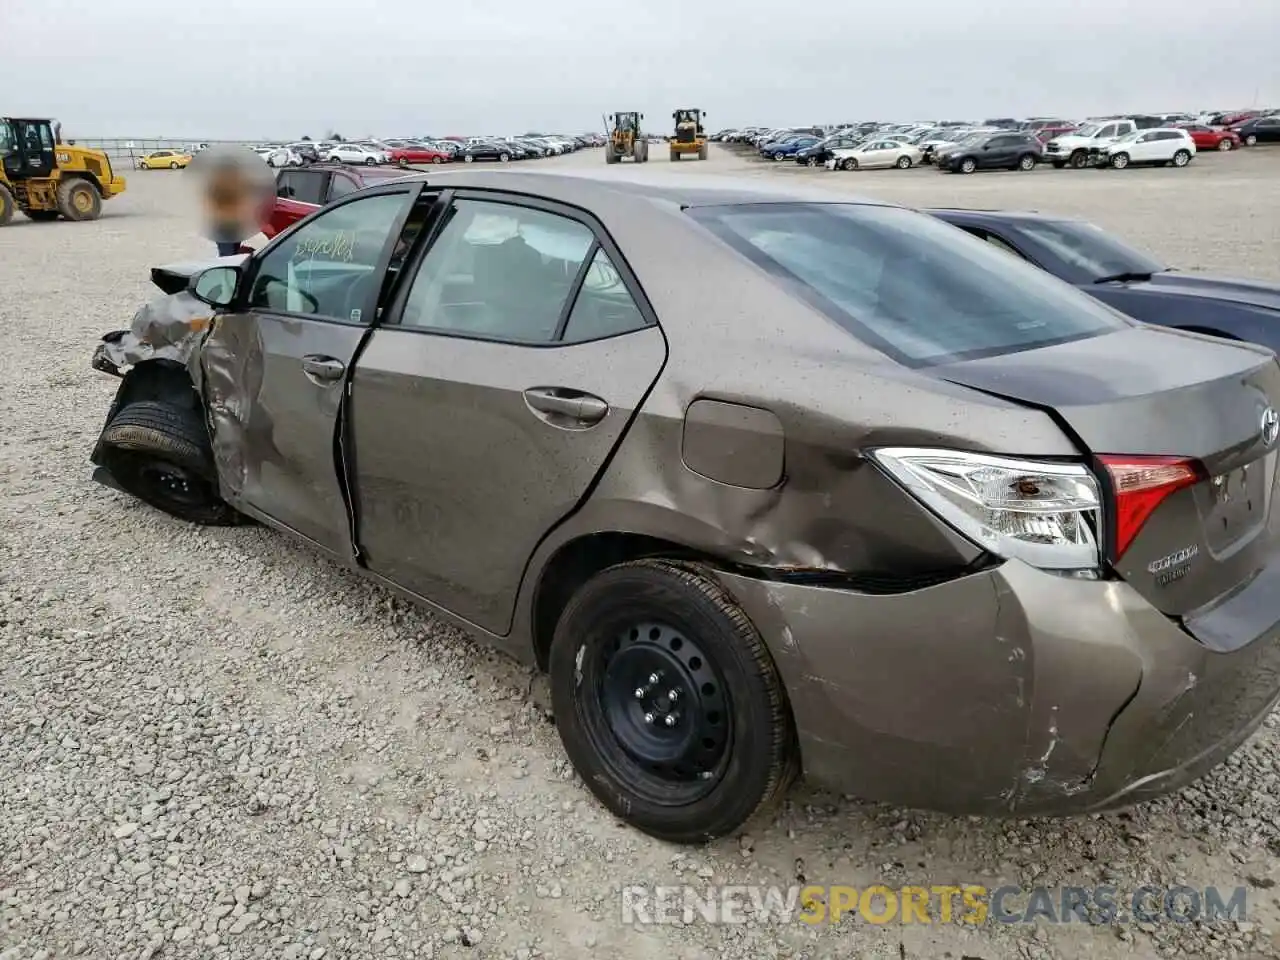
<point x="498" y="271"/>
<point x="328" y="268"/>
<point x="906" y="283"/>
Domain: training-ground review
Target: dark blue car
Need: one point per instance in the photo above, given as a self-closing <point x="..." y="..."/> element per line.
<point x="784" y="149"/>
<point x="1129" y="280"/>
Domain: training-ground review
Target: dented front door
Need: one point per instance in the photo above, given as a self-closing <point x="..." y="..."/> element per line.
<point x="276" y="370"/>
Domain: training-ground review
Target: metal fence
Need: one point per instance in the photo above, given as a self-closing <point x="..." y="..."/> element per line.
<point x="126" y="150"/>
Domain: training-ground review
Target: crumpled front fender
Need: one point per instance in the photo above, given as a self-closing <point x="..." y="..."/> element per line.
<point x="169" y="327"/>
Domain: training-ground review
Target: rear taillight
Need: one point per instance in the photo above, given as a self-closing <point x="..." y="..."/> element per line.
<point x="1139" y="485"/>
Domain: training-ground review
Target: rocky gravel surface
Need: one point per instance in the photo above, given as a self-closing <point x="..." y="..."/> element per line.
<point x="215" y="744"/>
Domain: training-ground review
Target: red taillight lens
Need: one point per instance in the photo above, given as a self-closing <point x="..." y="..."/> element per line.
<point x="1139" y="485"/>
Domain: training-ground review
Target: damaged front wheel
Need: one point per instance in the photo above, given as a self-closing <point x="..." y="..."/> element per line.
<point x="160" y="453"/>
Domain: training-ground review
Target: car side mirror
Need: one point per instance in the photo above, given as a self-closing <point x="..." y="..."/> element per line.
<point x="215" y="286"/>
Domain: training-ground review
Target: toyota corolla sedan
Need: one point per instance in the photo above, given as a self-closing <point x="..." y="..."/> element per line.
<point x="766" y="482"/>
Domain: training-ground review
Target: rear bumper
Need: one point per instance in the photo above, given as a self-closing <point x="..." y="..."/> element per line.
<point x="1014" y="691"/>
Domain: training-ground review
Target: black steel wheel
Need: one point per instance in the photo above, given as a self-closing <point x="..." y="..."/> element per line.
<point x="160" y="453"/>
<point x="668" y="702"/>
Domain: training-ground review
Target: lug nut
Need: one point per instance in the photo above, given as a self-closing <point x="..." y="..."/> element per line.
<point x="655" y="677"/>
<point x="670" y="720"/>
<point x="639" y="693"/>
<point x="648" y="718"/>
<point x="673" y="695"/>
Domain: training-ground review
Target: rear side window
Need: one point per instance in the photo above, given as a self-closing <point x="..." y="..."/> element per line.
<point x="908" y="284"/>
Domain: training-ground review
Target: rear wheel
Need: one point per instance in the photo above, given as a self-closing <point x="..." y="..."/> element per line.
<point x="779" y="156"/>
<point x="1225" y="144"/>
<point x="904" y="163"/>
<point x="968" y="165"/>
<point x="668" y="703"/>
<point x="1027" y="162"/>
<point x="160" y="453"/>
<point x="6" y="205"/>
<point x="1251" y="140"/>
<point x="1181" y="158"/>
<point x="174" y="165"/>
<point x="79" y="200"/>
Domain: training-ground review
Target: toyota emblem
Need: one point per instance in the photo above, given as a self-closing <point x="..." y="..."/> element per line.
<point x="1270" y="426"/>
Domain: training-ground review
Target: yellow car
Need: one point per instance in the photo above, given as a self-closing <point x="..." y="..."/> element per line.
<point x="163" y="159"/>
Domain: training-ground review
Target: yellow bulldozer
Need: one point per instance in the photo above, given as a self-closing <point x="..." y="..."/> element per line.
<point x="46" y="178"/>
<point x="625" y="138"/>
<point x="689" y="137"/>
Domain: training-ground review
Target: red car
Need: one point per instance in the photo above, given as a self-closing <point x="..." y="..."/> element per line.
<point x="421" y="153"/>
<point x="301" y="191"/>
<point x="1207" y="138"/>
<point x="1045" y="134"/>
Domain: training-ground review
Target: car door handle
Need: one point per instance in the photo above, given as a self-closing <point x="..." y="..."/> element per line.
<point x="323" y="368"/>
<point x="570" y="404"/>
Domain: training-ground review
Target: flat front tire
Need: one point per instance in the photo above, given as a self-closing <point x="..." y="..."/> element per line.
<point x="160" y="453"/>
<point x="668" y="702"/>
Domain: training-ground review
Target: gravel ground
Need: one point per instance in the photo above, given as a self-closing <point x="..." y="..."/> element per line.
<point x="215" y="744"/>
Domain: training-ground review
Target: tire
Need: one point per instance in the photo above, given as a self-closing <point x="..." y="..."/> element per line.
<point x="1079" y="159"/>
<point x="849" y="163"/>
<point x="370" y="162"/>
<point x="160" y="453"/>
<point x="403" y="163"/>
<point x="79" y="200"/>
<point x="811" y="162"/>
<point x="1181" y="158"/>
<point x="504" y="157"/>
<point x="675" y="156"/>
<point x="779" y="156"/>
<point x="174" y="165"/>
<point x="1119" y="160"/>
<point x="1251" y="140"/>
<point x="7" y="205"/>
<point x="1027" y="162"/>
<point x="469" y="159"/>
<point x="1225" y="144"/>
<point x="904" y="163"/>
<point x="610" y="156"/>
<point x="437" y="159"/>
<point x="649" y="617"/>
<point x="968" y="165"/>
<point x="702" y="152"/>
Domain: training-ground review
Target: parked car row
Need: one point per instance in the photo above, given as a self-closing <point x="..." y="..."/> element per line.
<point x="1112" y="143"/>
<point x="412" y="151"/>
<point x="503" y="402"/>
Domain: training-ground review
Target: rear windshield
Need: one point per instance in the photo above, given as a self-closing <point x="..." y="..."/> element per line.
<point x="913" y="287"/>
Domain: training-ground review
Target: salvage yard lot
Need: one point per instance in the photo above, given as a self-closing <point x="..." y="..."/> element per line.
<point x="216" y="744"/>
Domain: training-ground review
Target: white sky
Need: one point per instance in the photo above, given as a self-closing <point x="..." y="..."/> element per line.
<point x="288" y="68"/>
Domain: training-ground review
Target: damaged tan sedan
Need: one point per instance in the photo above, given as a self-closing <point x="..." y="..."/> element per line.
<point x="766" y="483"/>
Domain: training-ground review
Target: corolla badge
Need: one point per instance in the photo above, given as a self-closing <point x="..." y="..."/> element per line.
<point x="1173" y="567"/>
<point x="1269" y="426"/>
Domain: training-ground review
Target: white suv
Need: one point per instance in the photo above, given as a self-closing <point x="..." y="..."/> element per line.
<point x="1159" y="146"/>
<point x="1073" y="148"/>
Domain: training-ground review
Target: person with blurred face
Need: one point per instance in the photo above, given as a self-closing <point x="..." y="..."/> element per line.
<point x="236" y="184"/>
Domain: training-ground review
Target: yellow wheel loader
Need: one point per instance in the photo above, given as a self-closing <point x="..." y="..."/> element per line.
<point x="625" y="138"/>
<point x="46" y="178"/>
<point x="689" y="137"/>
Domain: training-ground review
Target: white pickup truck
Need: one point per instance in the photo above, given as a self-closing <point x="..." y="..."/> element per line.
<point x="1073" y="148"/>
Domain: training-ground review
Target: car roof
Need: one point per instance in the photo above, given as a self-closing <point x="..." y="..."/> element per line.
<point x="592" y="190"/>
